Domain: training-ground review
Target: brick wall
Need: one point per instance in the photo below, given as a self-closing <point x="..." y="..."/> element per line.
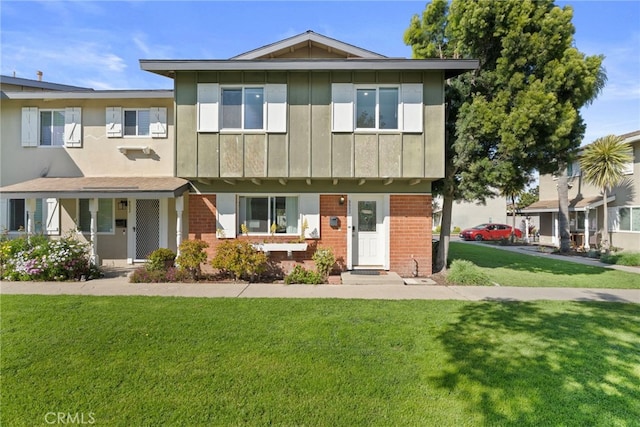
<point x="410" y="231"/>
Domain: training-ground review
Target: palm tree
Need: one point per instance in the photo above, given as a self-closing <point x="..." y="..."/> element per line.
<point x="603" y="163"/>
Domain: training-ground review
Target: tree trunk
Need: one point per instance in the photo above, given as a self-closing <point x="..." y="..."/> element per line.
<point x="604" y="242"/>
<point x="445" y="234"/>
<point x="563" y="211"/>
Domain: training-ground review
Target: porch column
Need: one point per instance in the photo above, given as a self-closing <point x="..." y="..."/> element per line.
<point x="526" y="229"/>
<point x="30" y="207"/>
<point x="93" y="209"/>
<point x="586" y="229"/>
<point x="179" y="209"/>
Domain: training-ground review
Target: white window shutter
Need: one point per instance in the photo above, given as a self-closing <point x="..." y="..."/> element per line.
<point x="342" y="107"/>
<point x="309" y="205"/>
<point x="52" y="216"/>
<point x="73" y="127"/>
<point x="613" y="218"/>
<point x="276" y="95"/>
<point x="29" y="127"/>
<point x="114" y="122"/>
<point x="226" y="220"/>
<point x="208" y="100"/>
<point x="158" y="122"/>
<point x="412" y="108"/>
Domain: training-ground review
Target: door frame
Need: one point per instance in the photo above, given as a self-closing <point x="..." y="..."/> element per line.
<point x="383" y="227"/>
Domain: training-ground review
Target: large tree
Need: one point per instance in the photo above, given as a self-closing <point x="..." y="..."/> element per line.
<point x="519" y="112"/>
<point x="603" y="164"/>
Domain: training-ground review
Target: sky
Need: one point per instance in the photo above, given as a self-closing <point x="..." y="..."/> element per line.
<point x="98" y="44"/>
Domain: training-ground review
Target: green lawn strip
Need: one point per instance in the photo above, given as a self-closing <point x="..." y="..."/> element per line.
<point x="513" y="269"/>
<point x="189" y="361"/>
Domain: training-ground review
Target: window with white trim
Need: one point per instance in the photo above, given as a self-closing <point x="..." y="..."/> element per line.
<point x="377" y="108"/>
<point x="136" y="122"/>
<point x="267" y="214"/>
<point x="629" y="218"/>
<point x="51" y="127"/>
<point x="46" y="216"/>
<point x="105" y="216"/>
<point x="243" y="108"/>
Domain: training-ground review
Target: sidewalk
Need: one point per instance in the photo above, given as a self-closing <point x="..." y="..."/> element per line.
<point x="121" y="286"/>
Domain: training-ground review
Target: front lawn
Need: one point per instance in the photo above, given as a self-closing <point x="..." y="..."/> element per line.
<point x="507" y="268"/>
<point x="127" y="361"/>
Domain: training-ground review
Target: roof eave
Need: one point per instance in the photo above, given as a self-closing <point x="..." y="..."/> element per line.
<point x="451" y="67"/>
<point x="109" y="94"/>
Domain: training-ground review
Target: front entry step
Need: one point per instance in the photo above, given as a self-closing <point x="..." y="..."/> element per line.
<point x="371" y="277"/>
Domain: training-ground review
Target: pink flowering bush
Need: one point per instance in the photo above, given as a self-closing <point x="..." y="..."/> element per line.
<point x="41" y="259"/>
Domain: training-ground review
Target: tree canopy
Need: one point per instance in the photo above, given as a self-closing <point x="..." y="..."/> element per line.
<point x="517" y="113"/>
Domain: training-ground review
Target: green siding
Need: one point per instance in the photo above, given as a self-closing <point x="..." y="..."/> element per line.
<point x="309" y="149"/>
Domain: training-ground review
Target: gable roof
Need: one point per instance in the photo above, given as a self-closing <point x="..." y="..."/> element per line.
<point x="308" y="40"/>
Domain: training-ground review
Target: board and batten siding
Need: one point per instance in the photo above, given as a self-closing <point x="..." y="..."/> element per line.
<point x="306" y="145"/>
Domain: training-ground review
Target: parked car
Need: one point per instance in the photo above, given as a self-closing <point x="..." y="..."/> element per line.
<point x="489" y="232"/>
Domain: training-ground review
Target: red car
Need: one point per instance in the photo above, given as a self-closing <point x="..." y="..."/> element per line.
<point x="489" y="232"/>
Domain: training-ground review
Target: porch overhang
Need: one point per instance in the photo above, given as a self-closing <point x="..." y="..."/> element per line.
<point x="578" y="204"/>
<point x="97" y="187"/>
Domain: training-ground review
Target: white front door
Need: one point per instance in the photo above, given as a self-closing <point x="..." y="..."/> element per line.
<point x="368" y="243"/>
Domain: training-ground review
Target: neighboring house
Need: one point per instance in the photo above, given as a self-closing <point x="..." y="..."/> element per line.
<point x="73" y="159"/>
<point x="313" y="131"/>
<point x="586" y="214"/>
<point x="307" y="136"/>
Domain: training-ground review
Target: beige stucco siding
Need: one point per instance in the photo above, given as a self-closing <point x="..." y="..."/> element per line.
<point x="309" y="148"/>
<point x="97" y="156"/>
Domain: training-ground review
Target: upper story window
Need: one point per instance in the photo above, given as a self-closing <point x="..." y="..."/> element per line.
<point x="139" y="122"/>
<point x="377" y="108"/>
<point x="51" y="127"/>
<point x="243" y="108"/>
<point x="136" y="122"/>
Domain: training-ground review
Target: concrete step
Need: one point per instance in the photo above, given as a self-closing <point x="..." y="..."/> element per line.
<point x="371" y="277"/>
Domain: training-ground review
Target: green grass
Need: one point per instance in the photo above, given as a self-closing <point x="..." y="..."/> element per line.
<point x="191" y="362"/>
<point x="631" y="259"/>
<point x="513" y="269"/>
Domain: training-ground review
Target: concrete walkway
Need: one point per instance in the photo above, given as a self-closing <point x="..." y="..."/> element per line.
<point x="121" y="286"/>
<point x="356" y="285"/>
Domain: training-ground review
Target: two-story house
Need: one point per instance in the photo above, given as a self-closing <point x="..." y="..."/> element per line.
<point x="586" y="206"/>
<point x="99" y="164"/>
<point x="308" y="139"/>
<point x="313" y="136"/>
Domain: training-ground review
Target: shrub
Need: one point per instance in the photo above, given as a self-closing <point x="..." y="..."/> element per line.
<point x="631" y="259"/>
<point x="171" y="274"/>
<point x="192" y="254"/>
<point x="161" y="259"/>
<point x="38" y="258"/>
<point x="300" y="275"/>
<point x="463" y="272"/>
<point x="325" y="261"/>
<point x="456" y="230"/>
<point x="240" y="260"/>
